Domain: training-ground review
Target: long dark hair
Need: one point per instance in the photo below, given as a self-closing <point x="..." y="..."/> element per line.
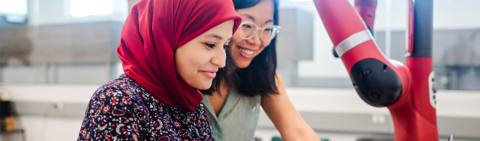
<point x="259" y="77"/>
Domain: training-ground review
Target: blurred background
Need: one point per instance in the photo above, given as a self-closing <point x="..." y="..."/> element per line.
<point x="55" y="53"/>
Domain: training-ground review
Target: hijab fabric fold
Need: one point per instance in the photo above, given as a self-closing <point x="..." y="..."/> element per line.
<point x="151" y="35"/>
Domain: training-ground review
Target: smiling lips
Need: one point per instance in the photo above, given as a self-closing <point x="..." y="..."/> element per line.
<point x="210" y="74"/>
<point x="246" y="53"/>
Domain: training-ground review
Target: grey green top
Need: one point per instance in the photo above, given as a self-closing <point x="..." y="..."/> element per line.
<point x="237" y="120"/>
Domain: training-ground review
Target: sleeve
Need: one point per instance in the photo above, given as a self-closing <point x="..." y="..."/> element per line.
<point x="110" y="116"/>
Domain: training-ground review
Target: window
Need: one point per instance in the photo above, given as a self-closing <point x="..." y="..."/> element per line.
<point x="13" y="7"/>
<point x="85" y="8"/>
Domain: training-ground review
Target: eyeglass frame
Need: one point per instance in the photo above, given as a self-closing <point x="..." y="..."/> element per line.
<point x="261" y="30"/>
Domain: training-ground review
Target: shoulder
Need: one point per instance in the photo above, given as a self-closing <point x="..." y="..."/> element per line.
<point x="278" y="80"/>
<point x="120" y="92"/>
<point x="122" y="86"/>
<point x="113" y="107"/>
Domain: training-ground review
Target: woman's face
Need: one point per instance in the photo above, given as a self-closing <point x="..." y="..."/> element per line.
<point x="198" y="60"/>
<point x="244" y="50"/>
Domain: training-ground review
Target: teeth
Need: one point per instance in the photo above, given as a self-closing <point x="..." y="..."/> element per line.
<point x="248" y="52"/>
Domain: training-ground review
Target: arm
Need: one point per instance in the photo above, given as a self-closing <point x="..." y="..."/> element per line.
<point x="285" y="117"/>
<point x="108" y="117"/>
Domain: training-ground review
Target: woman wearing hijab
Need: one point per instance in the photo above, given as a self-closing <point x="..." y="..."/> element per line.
<point x="169" y="49"/>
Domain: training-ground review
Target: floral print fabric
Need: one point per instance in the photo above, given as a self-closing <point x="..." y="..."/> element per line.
<point x="122" y="110"/>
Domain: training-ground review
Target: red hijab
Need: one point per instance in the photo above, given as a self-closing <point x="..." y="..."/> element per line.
<point x="151" y="35"/>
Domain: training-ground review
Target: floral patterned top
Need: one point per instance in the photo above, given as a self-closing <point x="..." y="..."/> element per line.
<point x="122" y="110"/>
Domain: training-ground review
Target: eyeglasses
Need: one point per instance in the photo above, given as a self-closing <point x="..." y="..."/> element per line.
<point x="247" y="30"/>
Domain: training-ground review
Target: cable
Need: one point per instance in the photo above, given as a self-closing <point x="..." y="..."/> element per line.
<point x="45" y="123"/>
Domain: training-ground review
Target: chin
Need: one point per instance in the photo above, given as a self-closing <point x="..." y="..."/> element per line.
<point x="242" y="64"/>
<point x="204" y="86"/>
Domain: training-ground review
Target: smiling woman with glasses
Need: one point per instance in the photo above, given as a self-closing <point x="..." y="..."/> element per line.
<point x="249" y="80"/>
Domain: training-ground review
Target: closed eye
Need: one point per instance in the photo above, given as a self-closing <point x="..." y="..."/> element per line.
<point x="210" y="45"/>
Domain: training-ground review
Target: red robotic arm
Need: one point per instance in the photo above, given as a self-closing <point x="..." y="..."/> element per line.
<point x="366" y="10"/>
<point x="407" y="91"/>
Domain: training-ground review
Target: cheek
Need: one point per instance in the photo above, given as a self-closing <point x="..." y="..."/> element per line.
<point x="196" y="61"/>
<point x="200" y="59"/>
<point x="264" y="46"/>
<point x="186" y="65"/>
<point x="232" y="50"/>
<point x="181" y="66"/>
<point x="236" y="38"/>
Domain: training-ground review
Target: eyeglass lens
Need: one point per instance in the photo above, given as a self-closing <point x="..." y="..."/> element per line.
<point x="248" y="30"/>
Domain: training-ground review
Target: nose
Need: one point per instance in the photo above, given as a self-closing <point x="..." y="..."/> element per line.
<point x="255" y="40"/>
<point x="219" y="57"/>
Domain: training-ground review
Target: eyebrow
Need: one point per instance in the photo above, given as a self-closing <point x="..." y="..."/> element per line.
<point x="253" y="19"/>
<point x="215" y="36"/>
<point x="269" y="21"/>
<point x="249" y="16"/>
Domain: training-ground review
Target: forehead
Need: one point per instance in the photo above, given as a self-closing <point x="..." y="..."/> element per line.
<point x="223" y="30"/>
<point x="260" y="14"/>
